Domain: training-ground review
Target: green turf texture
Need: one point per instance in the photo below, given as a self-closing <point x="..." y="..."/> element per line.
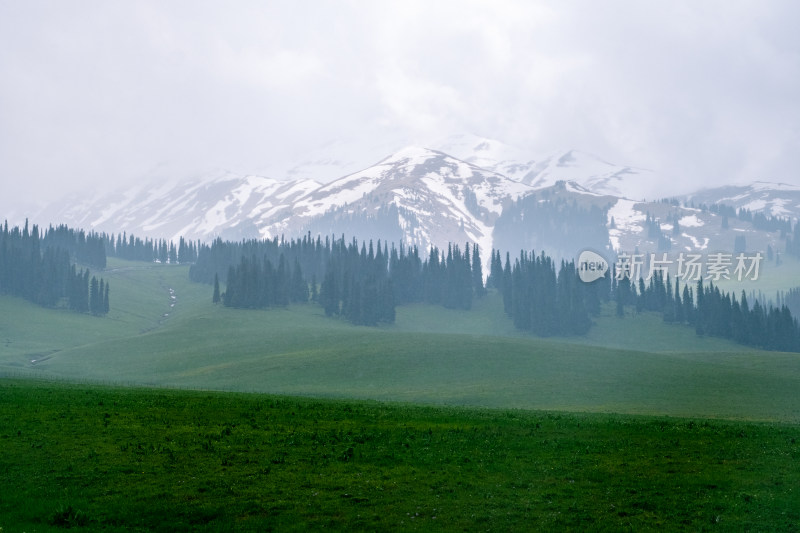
<point x="115" y="459"/>
<point x="639" y="425"/>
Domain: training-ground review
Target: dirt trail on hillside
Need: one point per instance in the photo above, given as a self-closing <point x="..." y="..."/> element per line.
<point x="40" y="357"/>
<point x="173" y="300"/>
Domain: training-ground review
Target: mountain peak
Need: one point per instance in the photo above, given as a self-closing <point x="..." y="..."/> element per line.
<point x="590" y="172"/>
<point x="411" y="153"/>
<point x="490" y="154"/>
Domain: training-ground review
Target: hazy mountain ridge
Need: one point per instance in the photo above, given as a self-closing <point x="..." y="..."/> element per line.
<point x="439" y="199"/>
<point x="201" y="207"/>
<point x="775" y="199"/>
<point x="586" y="170"/>
<point x="425" y="196"/>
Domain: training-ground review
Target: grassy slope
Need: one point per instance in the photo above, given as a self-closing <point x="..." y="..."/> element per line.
<point x="139" y="299"/>
<point x="122" y="459"/>
<point x="431" y="355"/>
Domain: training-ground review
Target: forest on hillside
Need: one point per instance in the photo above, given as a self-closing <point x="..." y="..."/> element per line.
<point x="41" y="268"/>
<point x="363" y="282"/>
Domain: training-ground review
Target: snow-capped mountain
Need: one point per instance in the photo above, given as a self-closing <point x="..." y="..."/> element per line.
<point x="491" y="154"/>
<point x="581" y="168"/>
<point x="679" y="228"/>
<point x="566" y="217"/>
<point x="774" y="199"/>
<point x="420" y="195"/>
<point x="424" y="197"/>
<point x="590" y="172"/>
<point x="200" y="207"/>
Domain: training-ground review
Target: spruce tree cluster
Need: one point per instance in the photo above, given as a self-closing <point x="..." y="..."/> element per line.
<point x="43" y="274"/>
<point x="357" y="286"/>
<point x="365" y="285"/>
<point x="791" y="299"/>
<point x="133" y="248"/>
<point x="539" y="301"/>
<point x="721" y="315"/>
<point x="97" y="303"/>
<point x="406" y="270"/>
<point x="255" y="284"/>
<point x="713" y="312"/>
<point x="452" y="280"/>
<point x="86" y="249"/>
<point x="448" y="280"/>
<point x="360" y="282"/>
<point x="216" y="258"/>
<point x="764" y="222"/>
<point x="93" y="248"/>
<point x="760" y="221"/>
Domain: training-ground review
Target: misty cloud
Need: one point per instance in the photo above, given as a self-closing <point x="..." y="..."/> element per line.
<point x="98" y="93"/>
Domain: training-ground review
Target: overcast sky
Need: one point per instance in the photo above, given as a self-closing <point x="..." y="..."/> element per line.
<point x="102" y="92"/>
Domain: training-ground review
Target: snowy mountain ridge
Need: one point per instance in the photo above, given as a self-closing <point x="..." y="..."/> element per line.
<point x="423" y="197"/>
<point x="437" y="198"/>
<point x="775" y="199"/>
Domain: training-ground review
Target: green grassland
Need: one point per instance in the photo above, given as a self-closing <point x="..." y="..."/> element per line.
<point x="124" y="459"/>
<point x="638" y="425"/>
<point x="139" y="300"/>
<point x="635" y="365"/>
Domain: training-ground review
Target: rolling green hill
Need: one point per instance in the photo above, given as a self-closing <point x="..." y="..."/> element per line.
<point x="93" y="458"/>
<point x="431" y="355"/>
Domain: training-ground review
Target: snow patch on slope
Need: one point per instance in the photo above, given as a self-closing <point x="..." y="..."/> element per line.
<point x="690" y="221"/>
<point x="626" y="220"/>
<point x="696" y="242"/>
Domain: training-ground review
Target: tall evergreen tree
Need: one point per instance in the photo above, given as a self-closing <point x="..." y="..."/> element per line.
<point x="106" y="305"/>
<point x="94" y="297"/>
<point x="216" y="296"/>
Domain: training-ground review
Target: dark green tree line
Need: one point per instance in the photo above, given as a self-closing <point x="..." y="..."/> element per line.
<point x="716" y="313"/>
<point x="541" y="301"/>
<point x="256" y="283"/>
<point x="41" y="271"/>
<point x="357" y="285"/>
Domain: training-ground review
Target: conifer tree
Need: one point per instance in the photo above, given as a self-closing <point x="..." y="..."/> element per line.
<point x="680" y="317"/>
<point x="216" y="296"/>
<point x="620" y="300"/>
<point x="299" y="292"/>
<point x="106" y="304"/>
<point x="699" y="324"/>
<point x="688" y="305"/>
<point x="94" y="297"/>
<point x="101" y="293"/>
<point x="507" y="287"/>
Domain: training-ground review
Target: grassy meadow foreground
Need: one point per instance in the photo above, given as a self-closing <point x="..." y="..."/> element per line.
<point x="638" y="425"/>
<point x="91" y="457"/>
